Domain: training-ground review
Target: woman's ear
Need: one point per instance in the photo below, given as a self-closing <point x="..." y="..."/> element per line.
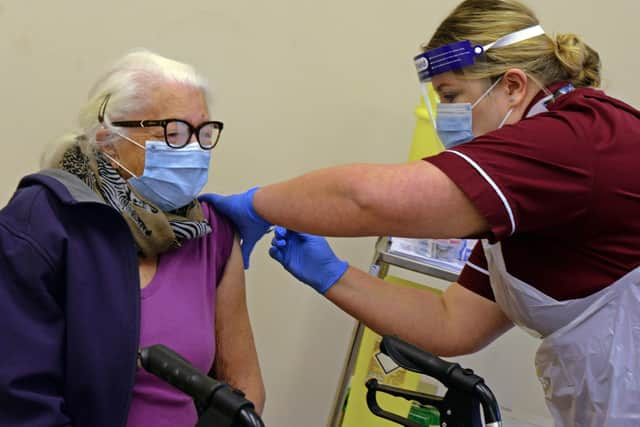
<point x="102" y="135"/>
<point x="515" y="84"/>
<point x="106" y="146"/>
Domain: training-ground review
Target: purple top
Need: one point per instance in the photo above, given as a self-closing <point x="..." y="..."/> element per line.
<point x="178" y="310"/>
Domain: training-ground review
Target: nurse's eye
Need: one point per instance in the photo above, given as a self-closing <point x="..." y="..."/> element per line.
<point x="448" y="97"/>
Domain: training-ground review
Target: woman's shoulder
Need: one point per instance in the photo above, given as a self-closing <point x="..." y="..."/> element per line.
<point x="45" y="211"/>
<point x="219" y="223"/>
<point x="222" y="234"/>
<point x="35" y="206"/>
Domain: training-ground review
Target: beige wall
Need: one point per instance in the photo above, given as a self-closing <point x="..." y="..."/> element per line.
<point x="300" y="85"/>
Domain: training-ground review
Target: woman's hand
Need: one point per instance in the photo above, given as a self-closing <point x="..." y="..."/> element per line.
<point x="309" y="258"/>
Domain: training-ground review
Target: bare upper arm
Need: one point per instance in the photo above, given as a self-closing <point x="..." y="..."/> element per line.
<point x="474" y="320"/>
<point x="236" y="361"/>
<point x="416" y="199"/>
<point x="231" y="289"/>
<point x="232" y="318"/>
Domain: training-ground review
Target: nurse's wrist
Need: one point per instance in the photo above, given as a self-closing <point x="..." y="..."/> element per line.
<point x="253" y="213"/>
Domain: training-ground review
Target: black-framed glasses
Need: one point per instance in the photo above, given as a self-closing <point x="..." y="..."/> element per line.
<point x="177" y="132"/>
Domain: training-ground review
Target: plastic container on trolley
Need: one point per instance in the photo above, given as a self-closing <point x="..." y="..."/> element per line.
<point x="218" y="404"/>
<point x="459" y="407"/>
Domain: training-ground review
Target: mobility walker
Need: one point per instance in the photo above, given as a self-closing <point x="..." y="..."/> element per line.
<point x="217" y="403"/>
<point x="220" y="405"/>
<point x="459" y="407"/>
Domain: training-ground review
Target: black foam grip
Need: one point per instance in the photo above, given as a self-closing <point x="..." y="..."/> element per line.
<point x="417" y="360"/>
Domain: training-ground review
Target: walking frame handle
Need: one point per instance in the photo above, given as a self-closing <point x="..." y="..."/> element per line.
<point x="218" y="404"/>
<point x="459" y="406"/>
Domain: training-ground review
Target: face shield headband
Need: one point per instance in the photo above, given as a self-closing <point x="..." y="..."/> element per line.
<point x="462" y="54"/>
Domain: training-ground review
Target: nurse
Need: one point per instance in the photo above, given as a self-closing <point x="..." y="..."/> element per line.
<point x="540" y="165"/>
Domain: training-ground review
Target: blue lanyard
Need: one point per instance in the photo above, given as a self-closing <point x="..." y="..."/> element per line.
<point x="562" y="91"/>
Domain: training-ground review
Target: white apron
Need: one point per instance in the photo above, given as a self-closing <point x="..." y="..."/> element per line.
<point x="589" y="358"/>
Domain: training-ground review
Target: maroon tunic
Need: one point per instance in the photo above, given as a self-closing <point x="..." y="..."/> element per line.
<point x="560" y="191"/>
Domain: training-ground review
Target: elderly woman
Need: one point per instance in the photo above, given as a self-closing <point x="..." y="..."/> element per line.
<point x="107" y="251"/>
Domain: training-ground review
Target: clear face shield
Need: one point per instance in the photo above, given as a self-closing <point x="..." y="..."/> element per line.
<point x="456" y="57"/>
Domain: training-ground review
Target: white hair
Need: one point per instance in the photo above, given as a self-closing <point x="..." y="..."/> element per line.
<point x="127" y="85"/>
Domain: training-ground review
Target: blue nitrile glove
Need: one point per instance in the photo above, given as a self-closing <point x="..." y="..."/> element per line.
<point x="239" y="209"/>
<point x="309" y="258"/>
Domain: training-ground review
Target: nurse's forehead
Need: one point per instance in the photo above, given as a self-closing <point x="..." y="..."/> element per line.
<point x="450" y="81"/>
<point x="446" y="80"/>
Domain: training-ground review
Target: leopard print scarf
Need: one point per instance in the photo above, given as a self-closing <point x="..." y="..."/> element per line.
<point x="154" y="231"/>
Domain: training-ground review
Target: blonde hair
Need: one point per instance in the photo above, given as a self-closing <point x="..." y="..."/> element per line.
<point x="127" y="85"/>
<point x="565" y="58"/>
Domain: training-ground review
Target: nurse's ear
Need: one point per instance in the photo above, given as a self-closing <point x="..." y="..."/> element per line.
<point x="516" y="84"/>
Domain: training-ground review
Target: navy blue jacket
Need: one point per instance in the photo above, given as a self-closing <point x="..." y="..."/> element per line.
<point x="69" y="307"/>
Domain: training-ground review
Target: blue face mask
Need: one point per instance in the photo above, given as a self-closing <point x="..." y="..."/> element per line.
<point x="172" y="177"/>
<point x="454" y="122"/>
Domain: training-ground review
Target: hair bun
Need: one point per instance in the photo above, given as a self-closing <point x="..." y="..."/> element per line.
<point x="581" y="62"/>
